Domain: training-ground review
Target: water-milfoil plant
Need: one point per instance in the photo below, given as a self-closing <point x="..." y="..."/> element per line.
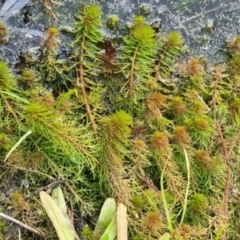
<point x="157" y="133"/>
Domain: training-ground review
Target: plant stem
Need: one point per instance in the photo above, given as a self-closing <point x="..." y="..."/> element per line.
<point x="22" y="224"/>
<point x="82" y="85"/>
<point x="228" y="165"/>
<point x="131" y="82"/>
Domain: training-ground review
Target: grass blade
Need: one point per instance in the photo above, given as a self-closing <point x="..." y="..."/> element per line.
<point x="188" y="185"/>
<point x="17" y="144"/>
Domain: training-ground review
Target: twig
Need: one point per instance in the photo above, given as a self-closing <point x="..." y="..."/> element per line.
<point x="49" y="186"/>
<point x="29" y="170"/>
<point x="206" y="12"/>
<point x="21" y="224"/>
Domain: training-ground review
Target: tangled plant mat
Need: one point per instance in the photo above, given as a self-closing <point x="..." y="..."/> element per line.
<point x="121" y="116"/>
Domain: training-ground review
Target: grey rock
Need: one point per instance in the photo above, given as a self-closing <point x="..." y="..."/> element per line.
<point x="11" y="7"/>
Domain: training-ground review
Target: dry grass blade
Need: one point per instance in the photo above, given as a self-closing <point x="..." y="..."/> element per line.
<point x="122" y="223"/>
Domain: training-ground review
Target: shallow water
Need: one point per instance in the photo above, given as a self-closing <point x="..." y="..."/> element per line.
<point x="205" y="24"/>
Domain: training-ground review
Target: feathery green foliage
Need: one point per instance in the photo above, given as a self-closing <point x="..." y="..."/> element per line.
<point x="169" y="48"/>
<point x="7" y="81"/>
<point x="138" y="56"/>
<point x="87" y="58"/>
<point x="62" y="136"/>
<point x="168" y="150"/>
<point x="116" y="131"/>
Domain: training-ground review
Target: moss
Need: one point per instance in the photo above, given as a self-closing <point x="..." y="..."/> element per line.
<point x="113" y="124"/>
<point x="144" y="10"/>
<point x="112" y="22"/>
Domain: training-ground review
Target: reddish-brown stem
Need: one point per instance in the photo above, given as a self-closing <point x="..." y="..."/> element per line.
<point x="228" y="178"/>
<point x="225" y="152"/>
<point x="34" y="230"/>
<point x="83" y="89"/>
<point x="206" y="12"/>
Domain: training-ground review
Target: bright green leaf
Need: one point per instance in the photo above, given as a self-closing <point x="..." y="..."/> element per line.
<point x="56" y="216"/>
